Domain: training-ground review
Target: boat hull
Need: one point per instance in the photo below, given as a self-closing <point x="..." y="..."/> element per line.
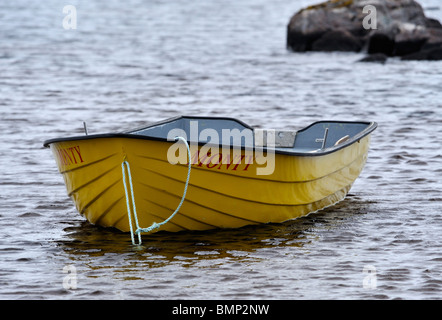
<point x="219" y="195"/>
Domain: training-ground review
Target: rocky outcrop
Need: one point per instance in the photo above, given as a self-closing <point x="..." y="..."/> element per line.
<point x="375" y="57"/>
<point x="434" y="54"/>
<point x="387" y="27"/>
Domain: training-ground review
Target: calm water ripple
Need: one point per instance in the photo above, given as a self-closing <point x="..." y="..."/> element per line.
<point x="135" y="62"/>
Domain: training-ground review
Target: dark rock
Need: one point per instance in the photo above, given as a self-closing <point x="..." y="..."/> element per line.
<point x="409" y="38"/>
<point x="339" y="40"/>
<point x="375" y="57"/>
<point x="433" y="54"/>
<point x="310" y="24"/>
<point x="434" y="40"/>
<point x="433" y="23"/>
<point x="381" y="43"/>
<point x="300" y="42"/>
<point x="404" y="48"/>
<point x="337" y="25"/>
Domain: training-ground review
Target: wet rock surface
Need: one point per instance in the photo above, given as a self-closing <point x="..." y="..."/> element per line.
<point x="387" y="27"/>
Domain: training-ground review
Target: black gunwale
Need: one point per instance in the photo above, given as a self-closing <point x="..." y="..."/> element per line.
<point x="371" y="126"/>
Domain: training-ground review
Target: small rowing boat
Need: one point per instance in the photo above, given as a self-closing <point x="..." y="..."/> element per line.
<point x="220" y="172"/>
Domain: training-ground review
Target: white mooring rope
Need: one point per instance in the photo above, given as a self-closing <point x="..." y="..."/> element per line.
<point x="125" y="166"/>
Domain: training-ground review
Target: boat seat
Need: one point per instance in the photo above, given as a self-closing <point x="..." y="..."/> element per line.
<point x="281" y="138"/>
<point x="342" y="140"/>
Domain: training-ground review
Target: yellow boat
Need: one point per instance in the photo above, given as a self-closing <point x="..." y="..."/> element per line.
<point x="236" y="175"/>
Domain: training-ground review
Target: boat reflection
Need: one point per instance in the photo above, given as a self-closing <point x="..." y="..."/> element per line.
<point x="100" y="247"/>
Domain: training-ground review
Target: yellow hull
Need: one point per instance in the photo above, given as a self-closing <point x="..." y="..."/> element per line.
<point x="218" y="196"/>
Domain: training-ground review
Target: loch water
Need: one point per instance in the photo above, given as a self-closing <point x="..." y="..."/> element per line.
<point x="129" y="63"/>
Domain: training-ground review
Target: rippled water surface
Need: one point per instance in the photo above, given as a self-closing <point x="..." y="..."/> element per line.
<point x="133" y="62"/>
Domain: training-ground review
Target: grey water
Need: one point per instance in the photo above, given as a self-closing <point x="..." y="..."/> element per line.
<point x="129" y="63"/>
